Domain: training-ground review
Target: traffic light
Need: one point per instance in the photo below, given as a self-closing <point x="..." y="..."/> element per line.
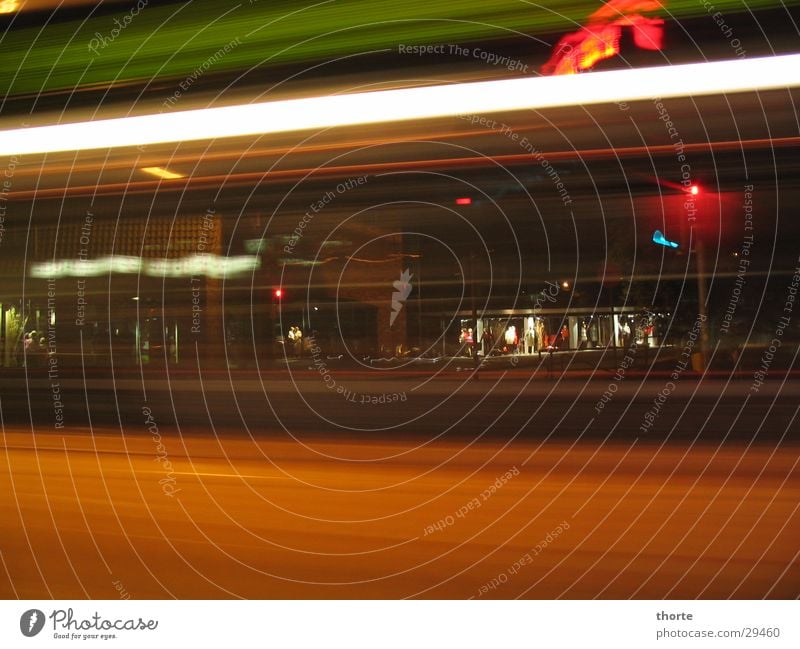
<point x="277" y="294"/>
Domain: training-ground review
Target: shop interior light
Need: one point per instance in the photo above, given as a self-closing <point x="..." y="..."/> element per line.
<point x="476" y="98"/>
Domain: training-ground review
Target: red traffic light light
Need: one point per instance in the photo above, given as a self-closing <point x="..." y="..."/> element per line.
<point x="277" y="293"/>
<point x="694" y="190"/>
<point x="466" y="200"/>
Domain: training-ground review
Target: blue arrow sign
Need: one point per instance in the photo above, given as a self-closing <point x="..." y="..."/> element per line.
<point x="659" y="238"/>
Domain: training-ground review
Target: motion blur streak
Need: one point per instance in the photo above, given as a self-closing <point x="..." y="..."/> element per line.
<point x="160" y="42"/>
<point x="409" y="104"/>
<point x="244" y="178"/>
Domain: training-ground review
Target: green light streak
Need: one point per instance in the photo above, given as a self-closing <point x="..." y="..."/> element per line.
<point x="174" y="40"/>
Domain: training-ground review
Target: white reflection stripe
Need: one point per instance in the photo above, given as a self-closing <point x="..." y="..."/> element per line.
<point x="483" y="97"/>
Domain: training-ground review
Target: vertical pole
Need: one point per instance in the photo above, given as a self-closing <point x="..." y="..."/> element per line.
<point x="474" y="316"/>
<point x="138" y="338"/>
<point x="280" y="326"/>
<point x="419" y="294"/>
<point x="702" y="297"/>
<point x="3" y="336"/>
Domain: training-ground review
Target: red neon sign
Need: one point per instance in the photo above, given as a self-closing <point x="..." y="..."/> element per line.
<point x="599" y="39"/>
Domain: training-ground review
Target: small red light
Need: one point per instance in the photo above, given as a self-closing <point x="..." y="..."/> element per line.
<point x="695" y="190"/>
<point x="278" y="293"/>
<point x="464" y="201"/>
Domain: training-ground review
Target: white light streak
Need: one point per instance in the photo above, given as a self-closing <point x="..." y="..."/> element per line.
<point x="696" y="79"/>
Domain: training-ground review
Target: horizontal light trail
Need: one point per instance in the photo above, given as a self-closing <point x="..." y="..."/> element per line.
<point x="344" y="171"/>
<point x="405" y="104"/>
<point x="160" y="172"/>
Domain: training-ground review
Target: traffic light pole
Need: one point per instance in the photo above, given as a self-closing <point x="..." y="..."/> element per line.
<point x="702" y="297"/>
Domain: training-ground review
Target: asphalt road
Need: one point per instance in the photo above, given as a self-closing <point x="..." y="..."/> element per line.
<point x="551" y="500"/>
